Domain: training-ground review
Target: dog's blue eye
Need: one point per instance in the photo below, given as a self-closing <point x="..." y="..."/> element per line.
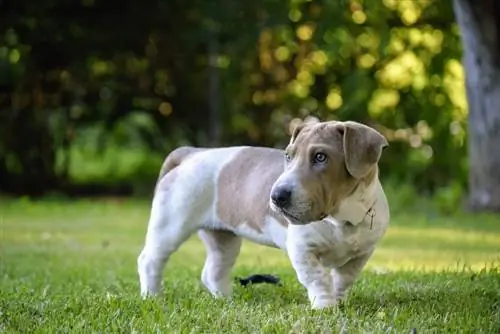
<point x="320" y="158"/>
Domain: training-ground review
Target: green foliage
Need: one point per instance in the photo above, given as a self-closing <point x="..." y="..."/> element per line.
<point x="144" y="77"/>
<point x="71" y="266"/>
<point x="449" y="199"/>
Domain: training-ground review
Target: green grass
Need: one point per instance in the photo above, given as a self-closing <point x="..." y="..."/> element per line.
<point x="71" y="267"/>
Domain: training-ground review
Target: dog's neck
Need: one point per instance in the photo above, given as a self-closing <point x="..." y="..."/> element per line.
<point x="359" y="206"/>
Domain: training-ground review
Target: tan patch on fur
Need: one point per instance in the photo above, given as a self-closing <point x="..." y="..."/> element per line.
<point x="244" y="186"/>
<point x="245" y="183"/>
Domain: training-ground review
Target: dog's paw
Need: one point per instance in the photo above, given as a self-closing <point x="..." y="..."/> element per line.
<point x="322" y="302"/>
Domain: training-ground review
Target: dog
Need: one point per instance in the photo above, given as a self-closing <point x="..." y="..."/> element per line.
<point x="320" y="200"/>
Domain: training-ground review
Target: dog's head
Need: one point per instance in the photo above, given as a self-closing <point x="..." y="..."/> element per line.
<point x="325" y="163"/>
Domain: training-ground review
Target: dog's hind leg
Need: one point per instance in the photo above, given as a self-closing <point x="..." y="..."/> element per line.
<point x="167" y="230"/>
<point x="222" y="248"/>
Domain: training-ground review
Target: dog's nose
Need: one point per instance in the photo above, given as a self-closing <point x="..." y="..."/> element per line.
<point x="281" y="197"/>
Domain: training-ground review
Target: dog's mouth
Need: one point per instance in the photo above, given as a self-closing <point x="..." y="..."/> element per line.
<point x="291" y="217"/>
<point x="295" y="219"/>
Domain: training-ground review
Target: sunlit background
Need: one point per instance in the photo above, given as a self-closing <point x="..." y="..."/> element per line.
<point x="96" y="93"/>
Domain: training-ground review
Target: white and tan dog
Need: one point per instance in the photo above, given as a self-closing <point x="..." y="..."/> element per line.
<point x="320" y="200"/>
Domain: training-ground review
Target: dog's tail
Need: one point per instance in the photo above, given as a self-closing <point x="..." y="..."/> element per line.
<point x="174" y="159"/>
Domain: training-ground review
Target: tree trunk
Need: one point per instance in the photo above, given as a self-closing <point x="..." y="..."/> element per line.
<point x="479" y="22"/>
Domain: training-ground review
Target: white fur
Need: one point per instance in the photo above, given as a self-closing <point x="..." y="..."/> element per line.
<point x="327" y="255"/>
<point x="179" y="212"/>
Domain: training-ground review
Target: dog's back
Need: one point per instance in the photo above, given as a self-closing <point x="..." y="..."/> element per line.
<point x="174" y="159"/>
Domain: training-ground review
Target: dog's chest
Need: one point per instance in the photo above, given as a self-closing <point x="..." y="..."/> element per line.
<point x="336" y="245"/>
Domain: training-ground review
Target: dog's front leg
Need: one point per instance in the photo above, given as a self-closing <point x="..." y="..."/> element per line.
<point x="344" y="276"/>
<point x="312" y="275"/>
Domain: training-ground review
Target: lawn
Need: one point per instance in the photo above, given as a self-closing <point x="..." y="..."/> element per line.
<point x="71" y="267"/>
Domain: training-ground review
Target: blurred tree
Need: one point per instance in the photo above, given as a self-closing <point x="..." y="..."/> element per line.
<point x="480" y="27"/>
<point x="150" y="75"/>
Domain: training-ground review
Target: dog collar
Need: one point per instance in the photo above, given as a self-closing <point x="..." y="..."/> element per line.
<point x="370" y="213"/>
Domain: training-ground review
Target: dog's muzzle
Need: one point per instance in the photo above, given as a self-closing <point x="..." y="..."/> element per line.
<point x="281" y="197"/>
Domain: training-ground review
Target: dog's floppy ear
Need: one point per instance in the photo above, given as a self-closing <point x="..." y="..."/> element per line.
<point x="363" y="147"/>
<point x="298" y="125"/>
<point x="295" y="131"/>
